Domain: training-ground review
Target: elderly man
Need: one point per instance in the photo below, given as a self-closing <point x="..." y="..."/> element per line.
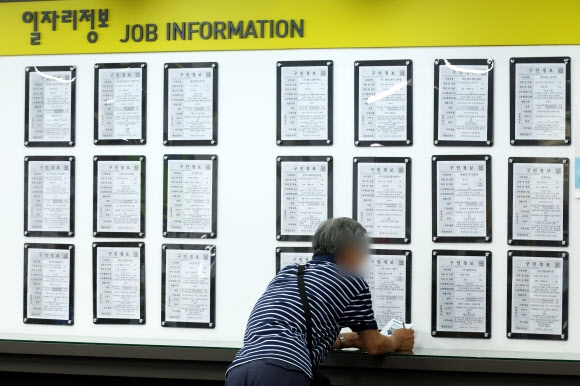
<point x="298" y="319"/>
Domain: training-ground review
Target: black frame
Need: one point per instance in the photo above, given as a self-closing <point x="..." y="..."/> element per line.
<point x="567" y="141"/>
<point x="71" y="142"/>
<point x="408" y="275"/>
<point x="96" y="160"/>
<point x="406" y="161"/>
<point x="457" y="334"/>
<point x="565" y="286"/>
<point x="71" y="161"/>
<point x="434" y="208"/>
<point x="565" y="207"/>
<point x="384" y="63"/>
<point x="281" y="250"/>
<point x="71" y="300"/>
<point x="279" y="160"/>
<point x="329" y="64"/>
<point x="464" y="62"/>
<point x="212" y="297"/>
<point x="132" y="141"/>
<point x="137" y="244"/>
<point x="188" y="157"/>
<point x="212" y="142"/>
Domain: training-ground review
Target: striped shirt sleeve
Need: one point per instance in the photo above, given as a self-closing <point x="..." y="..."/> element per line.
<point x="359" y="315"/>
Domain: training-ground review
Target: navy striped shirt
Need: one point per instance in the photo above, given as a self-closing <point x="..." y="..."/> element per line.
<point x="277" y="326"/>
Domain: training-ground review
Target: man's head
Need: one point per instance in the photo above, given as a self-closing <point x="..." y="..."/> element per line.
<point x="344" y="239"/>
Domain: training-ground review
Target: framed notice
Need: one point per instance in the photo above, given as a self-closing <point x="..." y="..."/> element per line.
<point x="120" y="104"/>
<point x="286" y="256"/>
<point x="49" y="271"/>
<point x="463" y="102"/>
<point x="188" y="286"/>
<point x="461" y="198"/>
<point x="389" y="278"/>
<point x="538" y="201"/>
<point x="190" y="196"/>
<point x="540" y="101"/>
<point x="119" y="196"/>
<point x="537" y="295"/>
<point x="190" y="114"/>
<point x="461" y="294"/>
<point x="304" y="103"/>
<point x="119" y="283"/>
<point x="382" y="198"/>
<point x="303" y="196"/>
<point x="49" y="196"/>
<point x="383" y="102"/>
<point x="50" y="110"/>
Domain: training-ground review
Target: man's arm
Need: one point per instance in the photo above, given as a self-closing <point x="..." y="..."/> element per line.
<point x="360" y="318"/>
<point x="351" y="340"/>
<point x="375" y="343"/>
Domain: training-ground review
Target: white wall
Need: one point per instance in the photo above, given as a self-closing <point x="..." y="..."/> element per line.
<point x="246" y="205"/>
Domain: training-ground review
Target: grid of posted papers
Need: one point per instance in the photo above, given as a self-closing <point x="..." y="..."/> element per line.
<point x="383" y="116"/>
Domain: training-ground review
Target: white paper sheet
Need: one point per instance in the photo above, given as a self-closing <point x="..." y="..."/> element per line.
<point x="118" y="283"/>
<point x="190" y="104"/>
<point x="188" y="286"/>
<point x="386" y="276"/>
<point x="119" y="196"/>
<point x="304" y="97"/>
<point x="48" y="284"/>
<point x="540" y="101"/>
<point x="49" y="196"/>
<point x="120" y="103"/>
<point x="463" y="102"/>
<point x="290" y="258"/>
<point x="461" y="293"/>
<point x="461" y="198"/>
<point x="382" y="103"/>
<point x="393" y="325"/>
<point x="538" y="202"/>
<point x="537" y="295"/>
<point x="304" y="200"/>
<point x="382" y="195"/>
<point x="50" y="105"/>
<point x="189" y="198"/>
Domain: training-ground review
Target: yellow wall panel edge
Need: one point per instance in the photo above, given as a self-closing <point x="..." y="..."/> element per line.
<point x="323" y="24"/>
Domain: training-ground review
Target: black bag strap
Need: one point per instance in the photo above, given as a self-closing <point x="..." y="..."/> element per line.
<point x="307" y="313"/>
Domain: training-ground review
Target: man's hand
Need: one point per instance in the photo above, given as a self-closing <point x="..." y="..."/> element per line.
<point x="376" y="343"/>
<point x="352" y="339"/>
<point x="404" y="338"/>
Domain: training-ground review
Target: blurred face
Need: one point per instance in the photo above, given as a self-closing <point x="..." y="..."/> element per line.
<point x="353" y="258"/>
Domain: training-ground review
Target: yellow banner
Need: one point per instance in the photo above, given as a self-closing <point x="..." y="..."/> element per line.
<point x="98" y="26"/>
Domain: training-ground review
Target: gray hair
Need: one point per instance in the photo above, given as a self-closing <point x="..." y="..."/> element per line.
<point x="333" y="235"/>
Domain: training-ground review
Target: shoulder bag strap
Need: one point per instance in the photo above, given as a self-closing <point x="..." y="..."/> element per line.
<point x="306" y="307"/>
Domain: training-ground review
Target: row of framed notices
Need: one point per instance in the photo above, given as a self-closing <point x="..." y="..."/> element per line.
<point x="188" y="296"/>
<point x="189" y="196"/>
<point x="120" y="105"/>
<point x="463" y="102"/>
<point x="383" y="102"/>
<point x="538" y="198"/>
<point x="537" y="291"/>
